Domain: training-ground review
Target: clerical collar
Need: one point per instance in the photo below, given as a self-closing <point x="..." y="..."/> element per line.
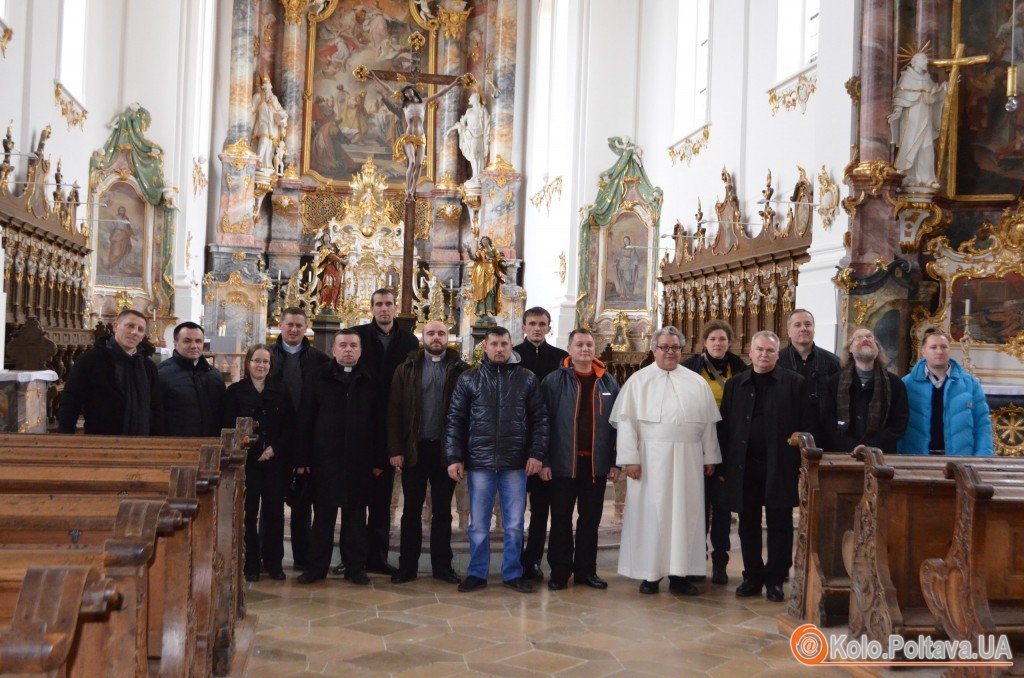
<point x="346" y="368"/>
<point x="433" y="358"/>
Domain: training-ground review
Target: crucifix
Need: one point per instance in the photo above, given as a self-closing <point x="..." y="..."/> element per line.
<point x="954" y="64"/>
<point x="411" y="146"/>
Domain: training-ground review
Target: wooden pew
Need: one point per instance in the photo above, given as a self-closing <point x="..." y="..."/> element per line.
<point x="217" y="578"/>
<point x="905" y="517"/>
<point x="46" y="632"/>
<point x="977" y="588"/>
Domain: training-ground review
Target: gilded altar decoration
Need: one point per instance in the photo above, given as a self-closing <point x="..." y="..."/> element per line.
<point x="293" y="10"/>
<point x="6" y="33"/>
<point x="767" y="213"/>
<point x="486" y="278"/>
<point x="1015" y="347"/>
<point x="861" y="308"/>
<point x="447" y="183"/>
<point x="801" y="205"/>
<point x="237" y="306"/>
<point x="449" y="213"/>
<point x="74" y="112"/>
<point x="453" y="21"/>
<point x="852" y="86"/>
<point x="502" y="171"/>
<point x="1008" y="431"/>
<point x="318" y="207"/>
<point x="620" y="340"/>
<point x="796" y="95"/>
<point x="550" y="191"/>
<point x="562" y="266"/>
<point x="828" y="198"/>
<point x="690" y="147"/>
<point x="730" y="223"/>
<point x="424" y="219"/>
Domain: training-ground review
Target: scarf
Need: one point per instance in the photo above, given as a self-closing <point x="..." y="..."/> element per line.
<point x="130" y="373"/>
<point x="878" y="410"/>
<point x="716" y="367"/>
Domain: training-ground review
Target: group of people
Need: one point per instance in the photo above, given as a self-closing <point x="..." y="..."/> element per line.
<point x="697" y="440"/>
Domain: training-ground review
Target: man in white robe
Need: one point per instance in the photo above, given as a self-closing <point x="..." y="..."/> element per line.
<point x="667" y="443"/>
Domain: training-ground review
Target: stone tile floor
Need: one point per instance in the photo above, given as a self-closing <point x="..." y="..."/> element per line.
<point x="427" y="628"/>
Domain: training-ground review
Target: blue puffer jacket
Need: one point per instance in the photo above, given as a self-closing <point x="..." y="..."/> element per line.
<point x="965" y="417"/>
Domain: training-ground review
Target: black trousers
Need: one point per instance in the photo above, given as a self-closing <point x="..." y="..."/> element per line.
<point x="379" y="523"/>
<point x="539" y="493"/>
<point x="587" y="496"/>
<point x="301" y="523"/>
<point x="717" y="519"/>
<point x="265" y="485"/>
<point x="428" y="469"/>
<point x="353" y="538"/>
<point x="780" y="531"/>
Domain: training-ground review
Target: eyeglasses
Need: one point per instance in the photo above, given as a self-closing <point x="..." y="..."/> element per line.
<point x="669" y="349"/>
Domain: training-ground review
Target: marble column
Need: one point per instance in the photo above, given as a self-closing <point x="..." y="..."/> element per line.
<point x="933" y="17"/>
<point x="878" y="42"/>
<point x="292" y="75"/>
<point x="243" y="27"/>
<point x="451" y="61"/>
<point x="502" y="44"/>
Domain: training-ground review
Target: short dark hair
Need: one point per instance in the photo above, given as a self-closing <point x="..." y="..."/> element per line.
<point x="537" y="310"/>
<point x="931" y="332"/>
<point x="496" y="331"/>
<point x="131" y="311"/>
<point x="383" y="290"/>
<point x="580" y="330"/>
<point x="294" y="310"/>
<point x="252" y="350"/>
<point x="714" y="326"/>
<point x="187" y="325"/>
<point x="789" y="318"/>
<point x="344" y="332"/>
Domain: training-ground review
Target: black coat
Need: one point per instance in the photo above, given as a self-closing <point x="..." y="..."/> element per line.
<point x="381" y="364"/>
<point x="497" y="418"/>
<point x="272" y="409"/>
<point x="823" y="365"/>
<point x="561" y="391"/>
<point x="340" y="435"/>
<point x="541" y="360"/>
<point x="787" y="410"/>
<point x="848" y="435"/>
<point x="695" y="363"/>
<point x="192" y="396"/>
<point x="93" y="389"/>
<point x="310" y="358"/>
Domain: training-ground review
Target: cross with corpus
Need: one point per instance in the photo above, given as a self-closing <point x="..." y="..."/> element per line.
<point x="411" y="146"/>
<point x="954" y="64"/>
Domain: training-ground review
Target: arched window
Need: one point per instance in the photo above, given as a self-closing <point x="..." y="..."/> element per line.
<point x="71" y="59"/>
<point x="797" y="36"/>
<point x="693" y="66"/>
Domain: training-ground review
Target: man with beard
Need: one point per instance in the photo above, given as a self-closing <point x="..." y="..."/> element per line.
<point x="420" y="393"/>
<point x="865" y="404"/>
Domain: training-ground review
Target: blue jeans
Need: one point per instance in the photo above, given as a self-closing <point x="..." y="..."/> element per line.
<point x="482" y="486"/>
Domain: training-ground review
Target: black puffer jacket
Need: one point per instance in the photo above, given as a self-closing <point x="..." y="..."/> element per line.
<point x="497" y="418"/>
<point x="192" y="396"/>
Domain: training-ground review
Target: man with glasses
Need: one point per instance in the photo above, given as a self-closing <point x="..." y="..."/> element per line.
<point x="665" y="416"/>
<point x="761" y="408"/>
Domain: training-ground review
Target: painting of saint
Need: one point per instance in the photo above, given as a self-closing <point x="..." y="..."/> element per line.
<point x="626" y="265"/>
<point x="348" y="121"/>
<point x="120" y="238"/>
<point x="997" y="308"/>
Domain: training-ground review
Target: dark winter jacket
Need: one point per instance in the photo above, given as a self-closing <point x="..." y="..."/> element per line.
<point x="96" y="387"/>
<point x="787" y="410"/>
<point x="340" y="435"/>
<point x="310" y="358"/>
<point x="561" y="391"/>
<point x="405" y="406"/>
<point x="497" y="418"/>
<point x="843" y="436"/>
<point x="272" y="410"/>
<point x="541" y="360"/>
<point x="381" y="364"/>
<point x="192" y="396"/>
<point x="822" y="365"/>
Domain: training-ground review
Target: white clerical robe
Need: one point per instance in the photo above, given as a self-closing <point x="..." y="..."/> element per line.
<point x="666" y="424"/>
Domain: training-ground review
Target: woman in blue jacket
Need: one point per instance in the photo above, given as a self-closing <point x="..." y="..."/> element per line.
<point x="948" y="411"/>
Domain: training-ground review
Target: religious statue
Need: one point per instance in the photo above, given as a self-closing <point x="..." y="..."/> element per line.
<point x="915" y="121"/>
<point x="727" y="299"/>
<point x="269" y="123"/>
<point x="488" y="269"/>
<point x="279" y="149"/>
<point x="330" y="283"/>
<point x="772" y="298"/>
<point x="411" y="146"/>
<point x="474" y="128"/>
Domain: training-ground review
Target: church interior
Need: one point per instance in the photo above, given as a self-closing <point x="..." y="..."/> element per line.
<point x="627" y="165"/>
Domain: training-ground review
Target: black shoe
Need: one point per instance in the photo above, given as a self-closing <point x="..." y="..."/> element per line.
<point x="308" y="577"/>
<point x="472" y="583"/>
<point x="402" y="577"/>
<point x="774" y="593"/>
<point x="533" y="572"/>
<point x="358" y="578"/>
<point x="591" y="580"/>
<point x="252" y="576"/>
<point x="719" y="575"/>
<point x="300" y="567"/>
<point x="649" y="587"/>
<point x="338" y="570"/>
<point x="555" y="585"/>
<point x="696" y="578"/>
<point x="449" y="577"/>
<point x="382" y="568"/>
<point x="518" y="584"/>
<point x="748" y="588"/>
<point x="277" y="575"/>
<point x="683" y="586"/>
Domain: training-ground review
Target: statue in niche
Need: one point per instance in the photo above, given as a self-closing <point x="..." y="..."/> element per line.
<point x="411" y="146"/>
<point x="269" y="123"/>
<point x="915" y="120"/>
<point x="486" y="276"/>
<point x="279" y="150"/>
<point x="727" y="299"/>
<point x="474" y="128"/>
<point x="330" y="283"/>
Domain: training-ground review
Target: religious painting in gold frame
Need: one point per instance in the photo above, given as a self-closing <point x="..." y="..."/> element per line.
<point x="346" y="121"/>
<point x="985" y="160"/>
